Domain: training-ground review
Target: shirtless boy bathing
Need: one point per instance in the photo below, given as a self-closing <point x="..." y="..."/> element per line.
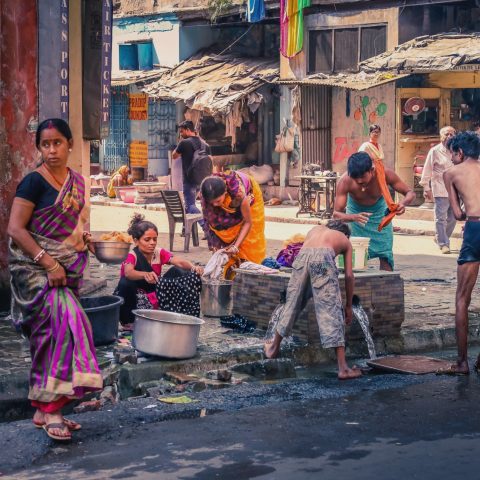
<point x="315" y="275"/>
<point x="462" y="181"/>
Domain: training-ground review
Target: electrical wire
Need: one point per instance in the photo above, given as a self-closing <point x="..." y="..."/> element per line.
<point x="234" y="42"/>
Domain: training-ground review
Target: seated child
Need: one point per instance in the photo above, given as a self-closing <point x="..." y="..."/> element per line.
<point x="141" y="284"/>
<point x="315" y="275"/>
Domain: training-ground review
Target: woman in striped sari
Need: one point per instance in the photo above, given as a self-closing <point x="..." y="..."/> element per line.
<point x="234" y="213"/>
<point x="48" y="254"/>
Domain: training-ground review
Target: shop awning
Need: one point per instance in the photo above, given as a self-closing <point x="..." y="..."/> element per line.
<point x="214" y="84"/>
<point x="131" y="77"/>
<point x="436" y="53"/>
<point x="352" y="81"/>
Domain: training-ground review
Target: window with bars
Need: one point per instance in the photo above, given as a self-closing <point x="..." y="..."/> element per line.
<point x="341" y="49"/>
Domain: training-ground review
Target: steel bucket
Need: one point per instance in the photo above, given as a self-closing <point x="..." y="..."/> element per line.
<point x="216" y="298"/>
<point x="166" y="334"/>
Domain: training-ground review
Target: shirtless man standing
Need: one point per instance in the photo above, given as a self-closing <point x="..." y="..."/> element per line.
<point x="462" y="181"/>
<point x="315" y="275"/>
<point x="359" y="199"/>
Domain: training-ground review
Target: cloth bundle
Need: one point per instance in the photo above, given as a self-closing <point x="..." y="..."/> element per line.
<point x="215" y="266"/>
<point x="180" y="294"/>
<point x="271" y="263"/>
<point x="255" y="267"/>
<point x="238" y="323"/>
<point x="287" y="256"/>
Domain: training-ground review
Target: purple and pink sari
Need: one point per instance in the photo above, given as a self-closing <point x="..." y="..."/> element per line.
<point x="64" y="364"/>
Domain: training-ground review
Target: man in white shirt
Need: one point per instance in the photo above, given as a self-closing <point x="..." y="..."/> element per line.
<point x="439" y="159"/>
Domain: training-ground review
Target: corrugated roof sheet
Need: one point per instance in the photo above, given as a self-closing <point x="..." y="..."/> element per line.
<point x="130" y="77"/>
<point x="352" y="81"/>
<point x="213" y="84"/>
<point x="442" y="52"/>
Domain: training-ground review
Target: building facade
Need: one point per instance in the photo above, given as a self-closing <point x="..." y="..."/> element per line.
<point x="337" y="74"/>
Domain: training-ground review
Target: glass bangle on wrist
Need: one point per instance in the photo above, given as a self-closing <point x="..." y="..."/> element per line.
<point x="39" y="255"/>
<point x="54" y="268"/>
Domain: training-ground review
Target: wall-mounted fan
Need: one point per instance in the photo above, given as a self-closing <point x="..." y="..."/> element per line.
<point x="414" y="106"/>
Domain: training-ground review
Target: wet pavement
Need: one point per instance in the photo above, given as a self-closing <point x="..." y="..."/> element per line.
<point x="381" y="426"/>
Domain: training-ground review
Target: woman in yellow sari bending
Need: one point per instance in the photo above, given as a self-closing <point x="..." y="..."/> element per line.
<point x="120" y="178"/>
<point x="234" y="213"/>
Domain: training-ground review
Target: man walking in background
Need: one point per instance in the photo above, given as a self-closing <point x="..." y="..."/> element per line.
<point x="186" y="148"/>
<point x="439" y="160"/>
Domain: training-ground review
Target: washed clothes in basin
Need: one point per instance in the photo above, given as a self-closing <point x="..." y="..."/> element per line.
<point x="104" y="314"/>
<point x="166" y="334"/>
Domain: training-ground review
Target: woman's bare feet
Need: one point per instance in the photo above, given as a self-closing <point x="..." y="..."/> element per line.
<point x="459" y="368"/>
<point x="271" y="348"/>
<point x="349" y="373"/>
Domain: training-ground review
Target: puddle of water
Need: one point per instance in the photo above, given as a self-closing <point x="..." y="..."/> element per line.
<point x="364" y="322"/>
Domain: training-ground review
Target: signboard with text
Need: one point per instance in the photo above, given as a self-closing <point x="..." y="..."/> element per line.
<point x="97" y="66"/>
<point x="138" y="106"/>
<point x="139" y="153"/>
<point x="53" y="59"/>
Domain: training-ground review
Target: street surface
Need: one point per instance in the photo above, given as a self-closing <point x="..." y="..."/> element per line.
<point x="380" y="427"/>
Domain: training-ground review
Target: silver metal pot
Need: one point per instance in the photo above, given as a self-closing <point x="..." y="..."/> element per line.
<point x="216" y="298"/>
<point x="166" y="334"/>
<point x="111" y="252"/>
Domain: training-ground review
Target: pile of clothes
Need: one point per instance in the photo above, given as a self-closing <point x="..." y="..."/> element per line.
<point x="291" y="248"/>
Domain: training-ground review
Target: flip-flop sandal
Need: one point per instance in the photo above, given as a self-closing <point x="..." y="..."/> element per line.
<point x="71" y="425"/>
<point x="58" y="438"/>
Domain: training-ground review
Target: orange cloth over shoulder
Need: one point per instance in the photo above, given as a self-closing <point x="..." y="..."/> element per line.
<point x="376" y="154"/>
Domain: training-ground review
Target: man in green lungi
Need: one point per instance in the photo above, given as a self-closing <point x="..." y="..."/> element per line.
<point x="359" y="200"/>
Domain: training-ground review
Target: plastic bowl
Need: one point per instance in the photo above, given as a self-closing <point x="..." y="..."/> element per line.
<point x="127" y="194"/>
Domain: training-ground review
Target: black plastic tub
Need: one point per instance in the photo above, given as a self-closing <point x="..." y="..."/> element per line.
<point x="104" y="315"/>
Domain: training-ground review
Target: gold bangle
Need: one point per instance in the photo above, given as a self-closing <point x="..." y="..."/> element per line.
<point x="54" y="268"/>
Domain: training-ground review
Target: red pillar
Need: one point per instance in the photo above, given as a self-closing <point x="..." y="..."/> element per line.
<point x="18" y="111"/>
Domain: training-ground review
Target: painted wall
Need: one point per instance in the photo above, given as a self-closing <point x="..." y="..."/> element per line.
<point x="351" y="118"/>
<point x="162" y="31"/>
<point x="297" y="67"/>
<point x="18" y="113"/>
<point x="195" y="38"/>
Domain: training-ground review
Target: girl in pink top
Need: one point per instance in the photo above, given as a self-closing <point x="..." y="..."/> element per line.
<point x="141" y="272"/>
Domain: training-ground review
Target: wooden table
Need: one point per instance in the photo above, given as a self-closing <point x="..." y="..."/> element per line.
<point x="312" y="188"/>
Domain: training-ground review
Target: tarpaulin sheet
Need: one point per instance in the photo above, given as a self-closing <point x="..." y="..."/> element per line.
<point x="213" y="84"/>
<point x="352" y="81"/>
<point x="428" y="53"/>
<point x="130" y="77"/>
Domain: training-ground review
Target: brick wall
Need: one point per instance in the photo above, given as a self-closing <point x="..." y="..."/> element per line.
<point x="255" y="296"/>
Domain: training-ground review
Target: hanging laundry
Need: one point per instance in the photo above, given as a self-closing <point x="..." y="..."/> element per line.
<point x="255" y="10"/>
<point x="291" y="26"/>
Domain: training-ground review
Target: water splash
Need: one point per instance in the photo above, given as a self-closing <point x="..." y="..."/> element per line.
<point x="362" y="318"/>
<point x="272" y="327"/>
